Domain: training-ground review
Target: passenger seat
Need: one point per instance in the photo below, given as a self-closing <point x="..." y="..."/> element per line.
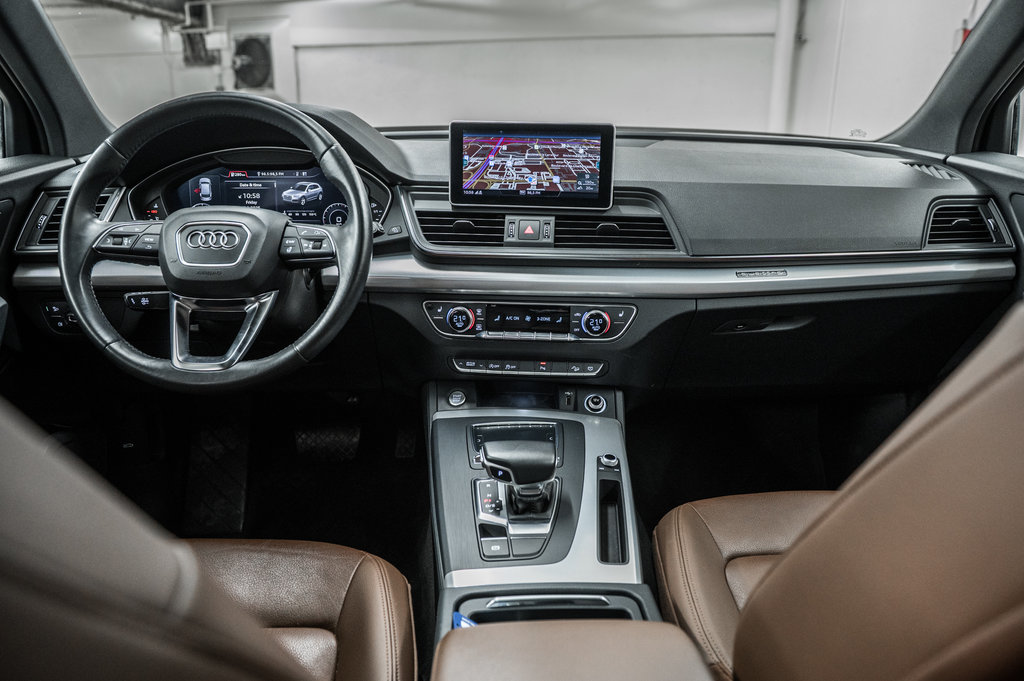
<point x="912" y="571"/>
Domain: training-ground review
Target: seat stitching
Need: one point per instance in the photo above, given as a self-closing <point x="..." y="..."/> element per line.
<point x="337" y="624"/>
<point x="691" y="595"/>
<point x="663" y="582"/>
<point x="391" y="620"/>
<point x="714" y="639"/>
<point x="391" y="657"/>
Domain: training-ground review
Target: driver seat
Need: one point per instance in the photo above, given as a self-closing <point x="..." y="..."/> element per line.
<point x="92" y="589"/>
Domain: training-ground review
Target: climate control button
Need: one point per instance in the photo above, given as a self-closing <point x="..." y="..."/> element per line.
<point x="460" y="319"/>
<point x="596" y="323"/>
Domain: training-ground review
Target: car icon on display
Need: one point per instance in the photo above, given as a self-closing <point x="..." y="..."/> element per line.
<point x="205" y="189"/>
<point x="302" y="192"/>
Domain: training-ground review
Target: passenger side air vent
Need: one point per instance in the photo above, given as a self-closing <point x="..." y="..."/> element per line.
<point x="43" y="228"/>
<point x="633" y="232"/>
<point x="461" y="229"/>
<point x="958" y="223"/>
<point x="935" y="171"/>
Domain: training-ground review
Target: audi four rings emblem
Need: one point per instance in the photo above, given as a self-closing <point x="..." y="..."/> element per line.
<point x="208" y="238"/>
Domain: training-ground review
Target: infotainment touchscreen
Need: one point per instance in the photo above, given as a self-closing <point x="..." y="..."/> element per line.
<point x="531" y="164"/>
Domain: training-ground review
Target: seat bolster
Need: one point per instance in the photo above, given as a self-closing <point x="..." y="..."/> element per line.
<point x="376" y="641"/>
<point x="315" y="649"/>
<point x="694" y="593"/>
<point x="321" y="598"/>
<point x="743" y="574"/>
<point x="695" y="545"/>
<point x="282" y="583"/>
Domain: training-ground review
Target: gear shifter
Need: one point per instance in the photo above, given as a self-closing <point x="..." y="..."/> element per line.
<point x="528" y="467"/>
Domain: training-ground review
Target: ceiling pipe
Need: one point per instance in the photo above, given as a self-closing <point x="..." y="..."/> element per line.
<point x="782" y="65"/>
<point x="142" y="9"/>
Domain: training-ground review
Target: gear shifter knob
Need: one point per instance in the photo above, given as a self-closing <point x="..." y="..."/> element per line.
<point x="527" y="465"/>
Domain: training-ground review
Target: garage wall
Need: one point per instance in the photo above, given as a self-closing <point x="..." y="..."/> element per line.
<point x="563" y="81"/>
<point x="864" y="66"/>
<point x="708" y="63"/>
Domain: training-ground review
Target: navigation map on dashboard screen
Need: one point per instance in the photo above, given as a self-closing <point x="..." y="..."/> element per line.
<point x="530" y="165"/>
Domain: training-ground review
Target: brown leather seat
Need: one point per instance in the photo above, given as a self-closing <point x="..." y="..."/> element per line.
<point x="711" y="554"/>
<point x="342" y="613"/>
<point x="913" y="570"/>
<point x="92" y="589"/>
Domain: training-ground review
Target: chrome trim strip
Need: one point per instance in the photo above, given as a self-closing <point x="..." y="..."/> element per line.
<point x="513" y="601"/>
<point x="581" y="564"/>
<point x="403" y="273"/>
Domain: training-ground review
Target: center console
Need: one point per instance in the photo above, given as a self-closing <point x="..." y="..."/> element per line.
<point x="533" y="508"/>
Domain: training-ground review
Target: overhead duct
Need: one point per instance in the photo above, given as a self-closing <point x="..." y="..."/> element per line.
<point x="171" y="11"/>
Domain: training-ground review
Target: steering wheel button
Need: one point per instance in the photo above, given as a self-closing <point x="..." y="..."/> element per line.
<point x="132" y="228"/>
<point x="147" y="244"/>
<point x="152" y="300"/>
<point x="290" y="247"/>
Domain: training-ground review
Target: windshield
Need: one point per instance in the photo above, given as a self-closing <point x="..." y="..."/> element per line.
<point x="836" y="68"/>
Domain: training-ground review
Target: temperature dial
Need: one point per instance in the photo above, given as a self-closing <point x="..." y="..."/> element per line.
<point x="460" y="319"/>
<point x="596" y="323"/>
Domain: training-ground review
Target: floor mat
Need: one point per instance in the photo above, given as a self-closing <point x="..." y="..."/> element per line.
<point x="685" y="450"/>
<point x="350" y="474"/>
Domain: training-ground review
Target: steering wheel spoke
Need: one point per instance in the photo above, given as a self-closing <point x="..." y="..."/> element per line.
<point x="255" y="311"/>
<point x="136" y="238"/>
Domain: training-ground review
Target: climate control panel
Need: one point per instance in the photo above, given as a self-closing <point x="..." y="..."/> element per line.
<point x="529" y="321"/>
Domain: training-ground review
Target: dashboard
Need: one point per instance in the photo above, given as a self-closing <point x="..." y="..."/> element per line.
<point x="724" y="262"/>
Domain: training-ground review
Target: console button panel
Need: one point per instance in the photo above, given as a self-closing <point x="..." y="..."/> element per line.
<point x="521" y="321"/>
<point x="528" y="367"/>
<point x="60" y="317"/>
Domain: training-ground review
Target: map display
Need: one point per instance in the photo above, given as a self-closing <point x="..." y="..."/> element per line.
<point x="528" y="165"/>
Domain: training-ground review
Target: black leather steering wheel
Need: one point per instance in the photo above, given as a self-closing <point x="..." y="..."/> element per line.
<point x="215" y="258"/>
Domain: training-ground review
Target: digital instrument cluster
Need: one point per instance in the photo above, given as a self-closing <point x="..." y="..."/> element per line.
<point x="303" y="194"/>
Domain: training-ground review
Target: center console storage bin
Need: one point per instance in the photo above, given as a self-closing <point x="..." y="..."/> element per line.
<point x="527" y="608"/>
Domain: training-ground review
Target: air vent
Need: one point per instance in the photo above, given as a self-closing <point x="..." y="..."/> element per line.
<point x="960" y="223"/>
<point x="461" y="229"/>
<point x="633" y="232"/>
<point x="935" y="171"/>
<point x="48" y="219"/>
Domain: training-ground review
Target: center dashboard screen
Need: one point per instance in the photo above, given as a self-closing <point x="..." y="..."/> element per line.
<point x="303" y="194"/>
<point x="531" y="164"/>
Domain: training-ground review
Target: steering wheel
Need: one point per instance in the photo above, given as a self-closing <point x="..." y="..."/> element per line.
<point x="219" y="259"/>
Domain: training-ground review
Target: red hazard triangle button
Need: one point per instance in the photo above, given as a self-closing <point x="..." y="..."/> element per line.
<point x="529" y="229"/>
